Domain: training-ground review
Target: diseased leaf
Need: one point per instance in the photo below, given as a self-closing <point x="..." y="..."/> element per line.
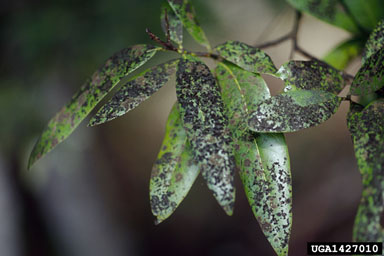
<point x="330" y="11"/>
<point x="311" y="75"/>
<point x="135" y="91"/>
<point x="344" y="53"/>
<point x="367" y="131"/>
<point x="293" y="111"/>
<point x="186" y="13"/>
<point x="263" y="161"/>
<point x="204" y="120"/>
<point x="370" y="76"/>
<point x="102" y="81"/>
<point x="366" y="12"/>
<point x="175" y="25"/>
<point x="246" y="57"/>
<point x="375" y="42"/>
<point x="174" y="171"/>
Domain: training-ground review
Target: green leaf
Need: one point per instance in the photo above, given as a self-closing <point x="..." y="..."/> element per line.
<point x="330" y="11"/>
<point x="186" y="13"/>
<point x="366" y="12"/>
<point x="311" y="75"/>
<point x="246" y="57"/>
<point x="204" y="120"/>
<point x="263" y="161"/>
<point x="370" y="76"/>
<point x="344" y="53"/>
<point x="102" y="81"/>
<point x="175" y="25"/>
<point x="375" y="42"/>
<point x="293" y="111"/>
<point x="135" y="91"/>
<point x="367" y="131"/>
<point x="174" y="171"/>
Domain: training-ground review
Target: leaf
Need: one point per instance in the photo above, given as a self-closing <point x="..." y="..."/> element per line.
<point x="344" y="53"/>
<point x="263" y="161"/>
<point x="135" y="91"/>
<point x="246" y="57"/>
<point x="367" y="131"/>
<point x="92" y="92"/>
<point x="366" y="12"/>
<point x="186" y="13"/>
<point x="293" y="111"/>
<point x="204" y="120"/>
<point x="370" y="76"/>
<point x="311" y="75"/>
<point x="174" y="171"/>
<point x="375" y="42"/>
<point x="175" y="25"/>
<point x="330" y="11"/>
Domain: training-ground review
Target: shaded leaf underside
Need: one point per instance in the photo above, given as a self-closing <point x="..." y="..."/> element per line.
<point x="367" y="131"/>
<point x="293" y="111"/>
<point x="203" y="118"/>
<point x="102" y="81"/>
<point x="174" y="171"/>
<point x="135" y="91"/>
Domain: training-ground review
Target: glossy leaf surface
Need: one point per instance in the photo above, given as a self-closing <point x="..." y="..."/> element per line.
<point x="246" y="57"/>
<point x="311" y="75"/>
<point x="263" y="161"/>
<point x="370" y="76"/>
<point x="186" y="13"/>
<point x="174" y="23"/>
<point x="135" y="91"/>
<point x="366" y="12"/>
<point x="367" y="131"/>
<point x="174" y="171"/>
<point x="293" y="111"/>
<point x="375" y="41"/>
<point x="204" y="120"/>
<point x="102" y="81"/>
<point x="330" y="11"/>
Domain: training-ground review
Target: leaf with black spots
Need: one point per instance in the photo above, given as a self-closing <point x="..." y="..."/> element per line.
<point x="375" y="42"/>
<point x="367" y="130"/>
<point x="370" y="77"/>
<point x="203" y="117"/>
<point x="135" y="91"/>
<point x="293" y="111"/>
<point x="247" y="57"/>
<point x="174" y="24"/>
<point x="344" y="53"/>
<point x="311" y="75"/>
<point x="263" y="161"/>
<point x="92" y="92"/>
<point x="174" y="171"/>
<point x="330" y="11"/>
<point x="186" y="13"/>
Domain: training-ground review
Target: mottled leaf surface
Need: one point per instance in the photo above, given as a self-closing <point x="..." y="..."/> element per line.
<point x="370" y="76"/>
<point x="311" y="75"/>
<point x="327" y="10"/>
<point x="174" y="171"/>
<point x="102" y="81"/>
<point x="293" y="111"/>
<point x="375" y="41"/>
<point x="263" y="161"/>
<point x="246" y="57"/>
<point x="186" y="13"/>
<point x="366" y="12"/>
<point x="174" y="23"/>
<point x="135" y="91"/>
<point x="203" y="117"/>
<point x="344" y="53"/>
<point x="367" y="131"/>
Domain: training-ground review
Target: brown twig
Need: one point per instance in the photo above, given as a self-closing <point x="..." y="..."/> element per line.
<point x="167" y="31"/>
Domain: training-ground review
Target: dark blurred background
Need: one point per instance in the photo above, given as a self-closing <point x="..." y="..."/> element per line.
<point x="90" y="196"/>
